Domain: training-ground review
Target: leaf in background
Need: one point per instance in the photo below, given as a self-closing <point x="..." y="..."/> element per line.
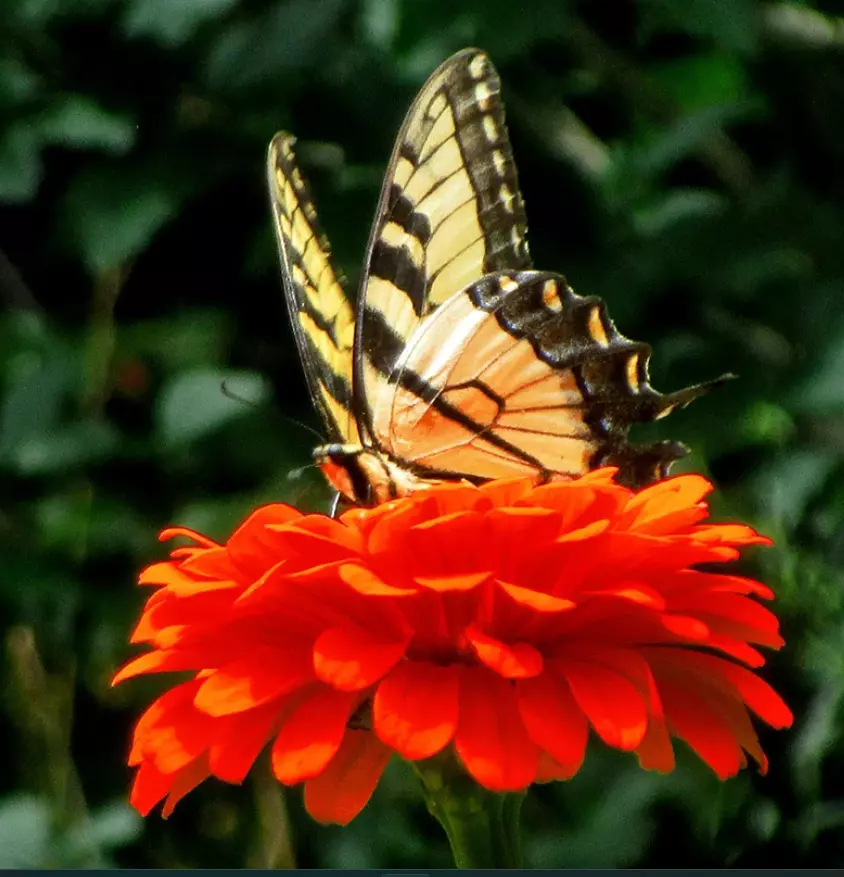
<point x="379" y="22"/>
<point x="823" y="392"/>
<point x="24" y="832"/>
<point x="107" y="828"/>
<point x="732" y="25"/>
<point x="37" y="385"/>
<point x="169" y="23"/>
<point x="193" y="403"/>
<point x="675" y="206"/>
<point x="664" y="147"/>
<point x="192" y="338"/>
<point x="20" y="163"/>
<point x="785" y="487"/>
<point x="698" y="81"/>
<point x="18" y="82"/>
<point x="64" y="448"/>
<point x="110" y="214"/>
<point x="288" y="37"/>
<point x="79" y="122"/>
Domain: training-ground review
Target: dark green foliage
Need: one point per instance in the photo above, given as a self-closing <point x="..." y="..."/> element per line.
<point x="684" y="160"/>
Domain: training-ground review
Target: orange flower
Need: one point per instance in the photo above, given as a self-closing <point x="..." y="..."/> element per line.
<point x="500" y="622"/>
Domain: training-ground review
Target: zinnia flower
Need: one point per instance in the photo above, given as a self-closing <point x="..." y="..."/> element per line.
<point x="497" y="624"/>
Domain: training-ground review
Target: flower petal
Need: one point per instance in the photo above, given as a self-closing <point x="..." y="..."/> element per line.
<point x="311" y="735"/>
<point x="512" y="661"/>
<point x="239" y="740"/>
<point x="263" y="675"/>
<point x="491" y="738"/>
<point x="184" y="781"/>
<point x="415" y="708"/>
<point x="342" y="790"/>
<point x="613" y="704"/>
<point x="553" y="719"/>
<point x="350" y="659"/>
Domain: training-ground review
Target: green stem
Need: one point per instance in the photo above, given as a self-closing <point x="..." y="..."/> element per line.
<point x="482" y="826"/>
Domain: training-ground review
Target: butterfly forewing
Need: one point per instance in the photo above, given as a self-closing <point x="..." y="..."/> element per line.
<point x="450" y="212"/>
<point x="322" y="316"/>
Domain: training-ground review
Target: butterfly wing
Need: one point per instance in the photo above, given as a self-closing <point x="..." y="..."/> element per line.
<point x="450" y="212"/>
<point x="518" y="375"/>
<point x="322" y="316"/>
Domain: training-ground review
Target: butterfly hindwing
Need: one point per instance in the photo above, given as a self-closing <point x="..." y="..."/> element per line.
<point x="322" y="316"/>
<point x="450" y="212"/>
<point x="517" y="375"/>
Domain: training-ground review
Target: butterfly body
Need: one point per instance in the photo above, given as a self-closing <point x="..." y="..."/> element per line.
<point x="460" y="361"/>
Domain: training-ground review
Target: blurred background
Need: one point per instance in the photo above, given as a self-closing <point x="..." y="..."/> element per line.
<point x="684" y="159"/>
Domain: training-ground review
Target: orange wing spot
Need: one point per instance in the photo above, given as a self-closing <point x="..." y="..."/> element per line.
<point x="599" y="336"/>
<point x="551" y="296"/>
<point x="633" y="373"/>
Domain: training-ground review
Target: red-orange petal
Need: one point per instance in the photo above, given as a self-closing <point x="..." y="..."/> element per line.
<point x="150" y="787"/>
<point x="753" y="690"/>
<point x="253" y="547"/>
<point x="655" y="752"/>
<point x="248" y="682"/>
<point x="342" y="790"/>
<point x="491" y="738"/>
<point x="366" y="582"/>
<point x="311" y="735"/>
<point x="553" y="719"/>
<point x="459" y="582"/>
<point x="510" y="660"/>
<point x="415" y="709"/>
<point x="184" y="781"/>
<point x="708" y="733"/>
<point x="158" y="662"/>
<point x="350" y="659"/>
<point x="615" y="707"/>
<point x="536" y="600"/>
<point x="239" y="741"/>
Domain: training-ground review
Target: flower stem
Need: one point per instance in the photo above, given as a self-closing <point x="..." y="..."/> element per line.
<point x="482" y="826"/>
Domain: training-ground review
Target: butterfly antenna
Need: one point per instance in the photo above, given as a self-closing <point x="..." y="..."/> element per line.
<point x="319" y="436"/>
<point x="299" y="471"/>
<point x="230" y="394"/>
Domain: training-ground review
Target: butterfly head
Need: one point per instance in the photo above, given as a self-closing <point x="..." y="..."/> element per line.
<point x="364" y="476"/>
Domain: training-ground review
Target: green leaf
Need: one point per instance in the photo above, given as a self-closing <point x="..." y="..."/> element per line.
<point x="169" y="23"/>
<point x="111" y="214"/>
<point x="698" y="81"/>
<point x="17" y="81"/>
<point x="193" y="338"/>
<point x="38" y="383"/>
<point x="20" y="163"/>
<point x="79" y="122"/>
<point x="823" y="393"/>
<point x="64" y="448"/>
<point x="24" y="832"/>
<point x="108" y="827"/>
<point x="676" y="206"/>
<point x="288" y="37"/>
<point x="193" y="404"/>
<point x="731" y="25"/>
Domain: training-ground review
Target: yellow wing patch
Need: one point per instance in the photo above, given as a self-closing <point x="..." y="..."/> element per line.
<point x="323" y="318"/>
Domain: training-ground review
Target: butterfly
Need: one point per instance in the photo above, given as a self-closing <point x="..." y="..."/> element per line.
<point x="459" y="361"/>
